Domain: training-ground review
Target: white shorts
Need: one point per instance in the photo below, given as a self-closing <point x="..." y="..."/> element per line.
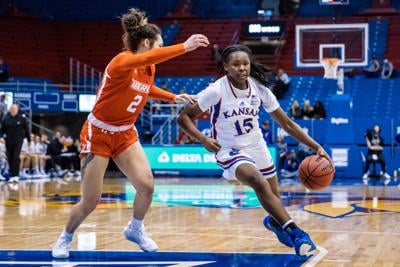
<point x="258" y="155"/>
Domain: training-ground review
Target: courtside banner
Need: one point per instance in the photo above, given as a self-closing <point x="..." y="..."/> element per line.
<point x="184" y="157"/>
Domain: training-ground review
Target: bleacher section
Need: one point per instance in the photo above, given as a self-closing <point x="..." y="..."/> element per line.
<point x="372" y="97"/>
<point x="378" y="30"/>
<point x="50" y="46"/>
<point x="192" y="85"/>
<point x="393" y="44"/>
<point x="308" y="8"/>
<point x="94" y="9"/>
<point x="225" y="8"/>
<point x="200" y="62"/>
<point x="169" y="32"/>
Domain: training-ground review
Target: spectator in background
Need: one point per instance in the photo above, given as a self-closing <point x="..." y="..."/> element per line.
<point x="41" y="150"/>
<point x="3" y="106"/>
<point x="373" y="68"/>
<point x="307" y="111"/>
<point x="70" y="158"/>
<point x="319" y="110"/>
<point x="281" y="84"/>
<point x="303" y="151"/>
<point x="282" y="151"/>
<point x="295" y="111"/>
<point x="3" y="159"/>
<point x="267" y="133"/>
<point x="3" y="71"/>
<point x="290" y="166"/>
<point x="375" y="147"/>
<point x="14" y="128"/>
<point x="54" y="150"/>
<point x="387" y="69"/>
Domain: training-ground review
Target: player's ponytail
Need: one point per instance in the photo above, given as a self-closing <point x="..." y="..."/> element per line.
<point x="136" y="28"/>
<point x="257" y="70"/>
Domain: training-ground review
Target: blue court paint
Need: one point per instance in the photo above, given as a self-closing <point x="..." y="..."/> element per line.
<point x="125" y="258"/>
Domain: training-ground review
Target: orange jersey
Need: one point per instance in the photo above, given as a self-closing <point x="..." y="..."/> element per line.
<point x="127" y="82"/>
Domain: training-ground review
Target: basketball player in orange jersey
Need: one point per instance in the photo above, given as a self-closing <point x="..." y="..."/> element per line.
<point x="109" y="131"/>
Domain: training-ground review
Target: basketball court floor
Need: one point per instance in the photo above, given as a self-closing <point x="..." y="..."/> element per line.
<point x="201" y="222"/>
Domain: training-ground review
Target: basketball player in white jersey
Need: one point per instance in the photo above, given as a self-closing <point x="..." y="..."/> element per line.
<point x="234" y="101"/>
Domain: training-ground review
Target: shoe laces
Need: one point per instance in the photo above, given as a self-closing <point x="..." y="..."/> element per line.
<point x="62" y="242"/>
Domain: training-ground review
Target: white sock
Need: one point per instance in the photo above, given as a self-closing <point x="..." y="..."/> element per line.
<point x="286" y="224"/>
<point x="67" y="235"/>
<point x="135" y="223"/>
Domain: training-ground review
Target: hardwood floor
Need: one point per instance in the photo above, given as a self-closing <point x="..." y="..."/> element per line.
<point x="355" y="225"/>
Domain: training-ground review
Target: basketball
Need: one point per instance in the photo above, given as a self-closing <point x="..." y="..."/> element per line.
<point x="316" y="172"/>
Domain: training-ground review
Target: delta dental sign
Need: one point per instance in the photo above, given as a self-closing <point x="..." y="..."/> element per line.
<point x="180" y="157"/>
<point x="183" y="158"/>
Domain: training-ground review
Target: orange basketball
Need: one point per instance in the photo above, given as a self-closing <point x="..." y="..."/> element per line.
<point x="316" y="172"/>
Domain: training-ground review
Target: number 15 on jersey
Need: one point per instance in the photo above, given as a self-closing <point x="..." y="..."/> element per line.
<point x="245" y="127"/>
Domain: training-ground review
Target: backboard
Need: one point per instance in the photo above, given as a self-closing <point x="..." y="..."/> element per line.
<point x="348" y="42"/>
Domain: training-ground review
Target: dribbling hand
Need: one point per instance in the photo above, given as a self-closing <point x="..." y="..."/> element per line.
<point x="211" y="145"/>
<point x="195" y="41"/>
<point x="321" y="152"/>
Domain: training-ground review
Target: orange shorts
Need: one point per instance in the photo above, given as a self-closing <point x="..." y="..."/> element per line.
<point x="97" y="141"/>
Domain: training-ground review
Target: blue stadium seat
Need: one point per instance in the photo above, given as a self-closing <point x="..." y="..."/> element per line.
<point x="225" y="8"/>
<point x="94" y="9"/>
<point x="191" y="85"/>
<point x="312" y="8"/>
<point x="378" y="31"/>
<point x="169" y="32"/>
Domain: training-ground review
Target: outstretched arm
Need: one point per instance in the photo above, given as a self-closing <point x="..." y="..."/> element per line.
<point x="185" y="121"/>
<point x="158" y="93"/>
<point x="125" y="62"/>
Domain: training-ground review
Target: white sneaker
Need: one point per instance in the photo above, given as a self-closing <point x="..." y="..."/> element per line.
<point x="140" y="237"/>
<point x="387" y="176"/>
<point x="13" y="179"/>
<point x="61" y="248"/>
<point x="2" y="178"/>
<point x="365" y="176"/>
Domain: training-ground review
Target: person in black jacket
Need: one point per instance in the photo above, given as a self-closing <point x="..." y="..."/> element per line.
<point x="14" y="128"/>
<point x="375" y="148"/>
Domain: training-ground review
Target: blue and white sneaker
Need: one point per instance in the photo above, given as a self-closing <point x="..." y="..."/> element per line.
<point x="281" y="234"/>
<point x="302" y="242"/>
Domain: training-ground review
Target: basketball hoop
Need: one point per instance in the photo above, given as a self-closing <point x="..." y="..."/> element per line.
<point x="330" y="65"/>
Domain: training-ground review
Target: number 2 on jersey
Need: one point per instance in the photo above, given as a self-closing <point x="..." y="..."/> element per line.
<point x="132" y="106"/>
<point x="247" y="126"/>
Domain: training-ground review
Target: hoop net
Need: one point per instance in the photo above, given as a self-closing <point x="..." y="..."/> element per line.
<point x="330" y="65"/>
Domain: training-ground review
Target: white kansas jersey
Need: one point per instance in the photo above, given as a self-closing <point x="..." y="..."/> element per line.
<point x="234" y="112"/>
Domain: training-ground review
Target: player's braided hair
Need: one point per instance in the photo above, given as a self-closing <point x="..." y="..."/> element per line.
<point x="136" y="28"/>
<point x="257" y="70"/>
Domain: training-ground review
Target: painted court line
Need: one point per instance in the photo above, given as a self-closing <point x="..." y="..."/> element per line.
<point x="317" y="258"/>
<point x="197" y="228"/>
<point x="107" y="263"/>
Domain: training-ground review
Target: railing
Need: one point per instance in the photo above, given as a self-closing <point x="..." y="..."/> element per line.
<point x="82" y="75"/>
<point x="44" y="87"/>
<point x="169" y="131"/>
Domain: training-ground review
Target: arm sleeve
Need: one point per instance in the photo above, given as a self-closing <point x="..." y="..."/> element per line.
<point x="126" y="61"/>
<point x="269" y="101"/>
<point x="159" y="93"/>
<point x="208" y="97"/>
